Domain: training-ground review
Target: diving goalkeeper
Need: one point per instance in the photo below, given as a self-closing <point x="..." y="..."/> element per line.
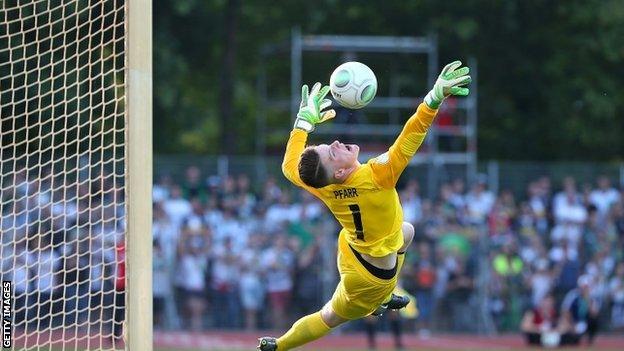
<point x="363" y="198"/>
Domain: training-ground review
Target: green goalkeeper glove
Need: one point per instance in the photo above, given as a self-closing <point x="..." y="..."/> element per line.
<point x="312" y="106"/>
<point x="450" y="82"/>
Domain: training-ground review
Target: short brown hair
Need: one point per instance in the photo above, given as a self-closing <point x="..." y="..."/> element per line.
<point x="311" y="170"/>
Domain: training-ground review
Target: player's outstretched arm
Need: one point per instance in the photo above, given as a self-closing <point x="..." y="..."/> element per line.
<point x="387" y="167"/>
<point x="312" y="111"/>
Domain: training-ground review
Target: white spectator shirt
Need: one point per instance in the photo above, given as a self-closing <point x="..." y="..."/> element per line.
<point x="193" y="272"/>
<point x="167" y="235"/>
<point x="280" y="213"/>
<point x="45" y="264"/>
<point x="541" y="284"/>
<point x="603" y="199"/>
<point x="479" y="205"/>
<point x="13" y="267"/>
<point x="566" y="211"/>
<point x="177" y="209"/>
<point x="234" y="229"/>
<point x="278" y="267"/>
<point x="538" y="206"/>
<point x="67" y="210"/>
<point x="250" y="277"/>
<point x="250" y="258"/>
<point x="159" y="193"/>
<point x="607" y="265"/>
<point x="20" y="277"/>
<point x="10" y="222"/>
<point x="528" y="254"/>
<point x="248" y="201"/>
<point x="96" y="273"/>
<point x="100" y="256"/>
<point x="457" y="200"/>
<point x="557" y="254"/>
<point x="214" y="218"/>
<point x="305" y="211"/>
<point x="223" y="272"/>
<point x="412" y="210"/>
<point x="43" y="198"/>
<point x="561" y="198"/>
<point x="567" y="231"/>
<point x="161" y="281"/>
<point x="600" y="289"/>
<point x="254" y="225"/>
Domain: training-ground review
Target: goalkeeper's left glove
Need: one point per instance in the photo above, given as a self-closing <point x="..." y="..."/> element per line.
<point x="312" y="106"/>
<point x="450" y="82"/>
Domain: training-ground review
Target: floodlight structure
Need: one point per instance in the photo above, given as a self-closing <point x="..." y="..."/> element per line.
<point x="349" y="46"/>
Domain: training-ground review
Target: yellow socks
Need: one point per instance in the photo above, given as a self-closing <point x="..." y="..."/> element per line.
<point x="306" y="329"/>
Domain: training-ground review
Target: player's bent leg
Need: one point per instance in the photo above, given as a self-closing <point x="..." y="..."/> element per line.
<point x="408" y="236"/>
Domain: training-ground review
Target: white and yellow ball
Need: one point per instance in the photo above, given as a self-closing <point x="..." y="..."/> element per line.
<point x="353" y="85"/>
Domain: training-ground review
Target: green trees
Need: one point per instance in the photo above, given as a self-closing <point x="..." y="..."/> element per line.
<point x="551" y="85"/>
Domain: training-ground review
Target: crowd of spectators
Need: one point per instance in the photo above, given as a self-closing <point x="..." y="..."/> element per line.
<point x="233" y="257"/>
<point x="231" y="253"/>
<point x="536" y="246"/>
<point x="62" y="247"/>
<point x="246" y="258"/>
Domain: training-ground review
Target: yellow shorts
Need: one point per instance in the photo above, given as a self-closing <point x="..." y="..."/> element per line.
<point x="360" y="292"/>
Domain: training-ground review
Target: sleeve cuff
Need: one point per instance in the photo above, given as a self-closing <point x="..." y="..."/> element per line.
<point x="304" y="125"/>
<point x="431" y="102"/>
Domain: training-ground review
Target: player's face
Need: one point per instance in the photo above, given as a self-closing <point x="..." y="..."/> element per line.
<point x="337" y="155"/>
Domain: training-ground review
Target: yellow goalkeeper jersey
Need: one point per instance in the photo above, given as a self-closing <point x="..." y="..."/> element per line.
<point x="367" y="204"/>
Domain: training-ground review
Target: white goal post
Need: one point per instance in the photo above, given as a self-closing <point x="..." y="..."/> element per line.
<point x="139" y="174"/>
<point x="76" y="174"/>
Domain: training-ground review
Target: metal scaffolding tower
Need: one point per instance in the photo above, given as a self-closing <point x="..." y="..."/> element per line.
<point x="350" y="46"/>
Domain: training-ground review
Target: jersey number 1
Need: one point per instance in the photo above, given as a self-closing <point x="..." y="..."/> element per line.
<point x="357" y="221"/>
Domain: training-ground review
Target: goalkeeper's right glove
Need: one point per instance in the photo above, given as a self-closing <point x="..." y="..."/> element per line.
<point x="312" y="106"/>
<point x="450" y="82"/>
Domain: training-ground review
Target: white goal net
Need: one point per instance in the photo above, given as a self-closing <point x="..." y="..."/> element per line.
<point x="62" y="220"/>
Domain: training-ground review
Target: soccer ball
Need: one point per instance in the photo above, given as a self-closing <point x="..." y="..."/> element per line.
<point x="353" y="85"/>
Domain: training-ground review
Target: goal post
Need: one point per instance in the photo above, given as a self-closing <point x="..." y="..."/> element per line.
<point x="76" y="174"/>
<point x="139" y="174"/>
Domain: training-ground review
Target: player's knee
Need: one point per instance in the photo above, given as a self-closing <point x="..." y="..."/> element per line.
<point x="330" y="317"/>
<point x="408" y="235"/>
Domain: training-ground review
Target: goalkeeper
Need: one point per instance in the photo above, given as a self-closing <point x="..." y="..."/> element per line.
<point x="363" y="198"/>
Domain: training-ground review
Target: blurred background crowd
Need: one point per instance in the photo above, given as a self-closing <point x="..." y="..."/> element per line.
<point x="231" y="255"/>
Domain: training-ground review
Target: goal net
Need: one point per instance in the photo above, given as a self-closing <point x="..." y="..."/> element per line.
<point x="62" y="175"/>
